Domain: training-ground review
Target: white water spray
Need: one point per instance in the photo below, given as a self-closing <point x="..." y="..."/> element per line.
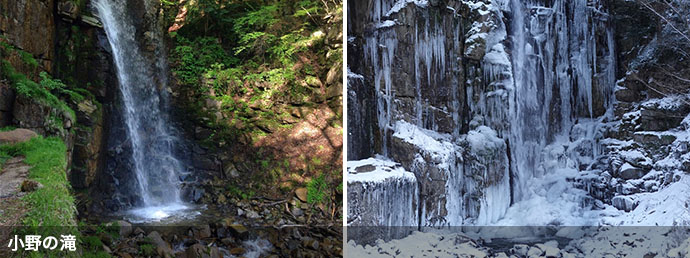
<point x="156" y="168"/>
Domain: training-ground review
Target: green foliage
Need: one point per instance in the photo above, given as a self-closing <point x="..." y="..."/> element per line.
<point x="4" y="156"/>
<point x="258" y="59"/>
<point x="317" y="190"/>
<point x="146" y="250"/>
<point x="40" y="91"/>
<point x="307" y="8"/>
<point x="193" y="57"/>
<point x="257" y="20"/>
<point x="92" y="242"/>
<point x="26" y="57"/>
<point x="239" y="193"/>
<point x="7" y="128"/>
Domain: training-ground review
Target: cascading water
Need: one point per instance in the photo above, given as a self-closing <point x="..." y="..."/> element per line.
<point x="156" y="168"/>
<point x="524" y="85"/>
<point x="555" y="67"/>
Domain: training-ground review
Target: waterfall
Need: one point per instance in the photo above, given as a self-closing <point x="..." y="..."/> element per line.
<point x="152" y="140"/>
<point x="555" y="66"/>
<point x="490" y="110"/>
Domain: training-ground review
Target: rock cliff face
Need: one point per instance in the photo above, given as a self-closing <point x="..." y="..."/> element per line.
<point x="30" y="26"/>
<point x="417" y="57"/>
<point x="33" y="27"/>
<point x="493" y="104"/>
<point x="67" y="42"/>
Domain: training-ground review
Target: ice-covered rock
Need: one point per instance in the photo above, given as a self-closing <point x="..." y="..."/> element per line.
<point x="382" y="199"/>
<point x="663" y="114"/>
<point x="462" y="182"/>
<point x="628" y="171"/>
<point x="625" y="203"/>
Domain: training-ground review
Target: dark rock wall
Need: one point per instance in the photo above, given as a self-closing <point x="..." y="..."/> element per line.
<point x="68" y="44"/>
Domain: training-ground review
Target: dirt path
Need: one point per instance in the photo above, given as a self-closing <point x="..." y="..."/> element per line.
<point x="13" y="174"/>
<point x="12" y="208"/>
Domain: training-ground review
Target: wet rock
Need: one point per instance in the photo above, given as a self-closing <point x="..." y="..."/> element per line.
<point x="162" y="248"/>
<point x="198" y="251"/>
<point x="239" y="231"/>
<point x="227" y="241"/>
<point x="205" y="162"/>
<point x="237" y="251"/>
<point x="125" y="228"/>
<point x="203" y="231"/>
<point x="16" y="136"/>
<point x="197" y="194"/>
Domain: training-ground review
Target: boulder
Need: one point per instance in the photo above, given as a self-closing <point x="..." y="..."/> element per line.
<point x="624" y="203"/>
<point x="201" y="251"/>
<point x="652" y="138"/>
<point x="550" y="249"/>
<point x="628" y="171"/>
<point x="16" y="136"/>
<point x="535" y="251"/>
<point x="627" y="95"/>
<point x="663" y="114"/>
<point x="162" y="248"/>
<point x="125" y="228"/>
<point x="239" y="231"/>
<point x="519" y="250"/>
<point x="203" y="231"/>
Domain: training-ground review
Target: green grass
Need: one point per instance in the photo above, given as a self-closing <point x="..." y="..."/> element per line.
<point x="51" y="205"/>
<point x="51" y="209"/>
<point x="4" y="156"/>
<point x="317" y="190"/>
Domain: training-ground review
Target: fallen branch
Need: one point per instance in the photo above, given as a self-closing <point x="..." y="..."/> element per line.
<point x="272" y="203"/>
